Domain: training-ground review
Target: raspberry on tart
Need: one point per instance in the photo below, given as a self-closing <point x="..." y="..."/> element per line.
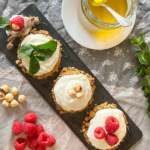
<point x="99" y="133"/>
<point x="17" y="23"/>
<point x="111" y="125"/>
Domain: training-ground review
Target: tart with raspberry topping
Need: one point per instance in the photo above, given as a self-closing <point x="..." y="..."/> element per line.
<point x="105" y="127"/>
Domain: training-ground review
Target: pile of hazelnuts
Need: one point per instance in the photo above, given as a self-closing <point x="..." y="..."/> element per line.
<point x="8" y="99"/>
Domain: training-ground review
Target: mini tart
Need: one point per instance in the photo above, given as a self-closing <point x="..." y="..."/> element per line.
<point x="91" y="114"/>
<point x="44" y="75"/>
<point x="70" y="76"/>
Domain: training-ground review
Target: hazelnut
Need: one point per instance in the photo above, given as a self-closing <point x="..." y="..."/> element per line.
<point x="14" y="103"/>
<point x="14" y="91"/>
<point x="5" y="103"/>
<point x="10" y="46"/>
<point x="9" y="97"/>
<point x="21" y="98"/>
<point x="2" y="94"/>
<point x="77" y="87"/>
<point x="5" y="88"/>
<point x="80" y="94"/>
<point x="72" y="92"/>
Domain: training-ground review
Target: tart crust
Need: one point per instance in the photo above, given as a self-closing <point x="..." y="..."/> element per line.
<point x="72" y="71"/>
<point x="43" y="76"/>
<point x="91" y="115"/>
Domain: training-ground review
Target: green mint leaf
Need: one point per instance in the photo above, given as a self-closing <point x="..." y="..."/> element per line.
<point x="135" y="41"/>
<point x="144" y="46"/>
<point x="140" y="71"/>
<point x="26" y="50"/>
<point x="4" y="23"/>
<point x="146" y="81"/>
<point x="147" y="71"/>
<point x="51" y="45"/>
<point x="34" y="65"/>
<point x="142" y="37"/>
<point x="40" y="56"/>
<point x="141" y="57"/>
<point x="45" y="51"/>
<point x="8" y="28"/>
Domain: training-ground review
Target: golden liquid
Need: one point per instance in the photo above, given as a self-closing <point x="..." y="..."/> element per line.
<point x="120" y="6"/>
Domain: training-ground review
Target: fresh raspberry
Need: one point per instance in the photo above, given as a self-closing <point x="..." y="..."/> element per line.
<point x="20" y="144"/>
<point x="17" y="128"/>
<point x="111" y="125"/>
<point x="30" y="117"/>
<point x="17" y="23"/>
<point x="39" y="129"/>
<point x="40" y="147"/>
<point x="43" y="139"/>
<point x="52" y="141"/>
<point x="111" y="139"/>
<point x="29" y="129"/>
<point x="99" y="133"/>
<point x="32" y="142"/>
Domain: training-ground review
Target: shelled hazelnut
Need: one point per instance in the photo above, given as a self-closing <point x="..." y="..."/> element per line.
<point x="14" y="103"/>
<point x="14" y="91"/>
<point x="21" y="98"/>
<point x="9" y="97"/>
<point x="76" y="91"/>
<point x="5" y="103"/>
<point x="2" y="94"/>
<point x="5" y="88"/>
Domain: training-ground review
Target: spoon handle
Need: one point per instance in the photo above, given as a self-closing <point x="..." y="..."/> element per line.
<point x="123" y="21"/>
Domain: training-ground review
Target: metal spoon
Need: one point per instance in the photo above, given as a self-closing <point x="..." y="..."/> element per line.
<point x="123" y="21"/>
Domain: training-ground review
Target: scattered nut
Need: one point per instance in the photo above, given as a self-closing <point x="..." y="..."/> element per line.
<point x="14" y="103"/>
<point x="77" y="87"/>
<point x="80" y="94"/>
<point x="72" y="92"/>
<point x="5" y="103"/>
<point x="5" y="88"/>
<point x="2" y="94"/>
<point x="14" y="91"/>
<point x="9" y="97"/>
<point x="21" y="98"/>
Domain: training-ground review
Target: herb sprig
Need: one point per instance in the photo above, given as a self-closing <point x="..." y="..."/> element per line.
<point x="5" y="23"/>
<point x="144" y="69"/>
<point x="37" y="53"/>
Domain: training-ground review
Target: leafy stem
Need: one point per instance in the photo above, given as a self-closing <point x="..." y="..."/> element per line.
<point x="144" y="69"/>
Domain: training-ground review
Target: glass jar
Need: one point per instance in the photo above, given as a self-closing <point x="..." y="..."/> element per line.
<point x="102" y="29"/>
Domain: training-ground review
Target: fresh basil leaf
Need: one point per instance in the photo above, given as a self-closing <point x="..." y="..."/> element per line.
<point x="51" y="45"/>
<point x="4" y="22"/>
<point x="26" y="50"/>
<point x="146" y="81"/>
<point x="135" y="41"/>
<point x="34" y="65"/>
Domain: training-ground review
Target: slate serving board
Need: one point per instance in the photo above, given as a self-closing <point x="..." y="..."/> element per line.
<point x="69" y="58"/>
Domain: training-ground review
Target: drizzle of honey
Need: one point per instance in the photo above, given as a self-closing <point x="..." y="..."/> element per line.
<point x="120" y="6"/>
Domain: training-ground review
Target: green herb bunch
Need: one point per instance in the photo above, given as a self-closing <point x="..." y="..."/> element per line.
<point x="37" y="53"/>
<point x="144" y="69"/>
<point x="5" y="23"/>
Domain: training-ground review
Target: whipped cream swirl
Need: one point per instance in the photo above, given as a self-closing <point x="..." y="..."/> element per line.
<point x="99" y="120"/>
<point x="45" y="66"/>
<point x="62" y="87"/>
